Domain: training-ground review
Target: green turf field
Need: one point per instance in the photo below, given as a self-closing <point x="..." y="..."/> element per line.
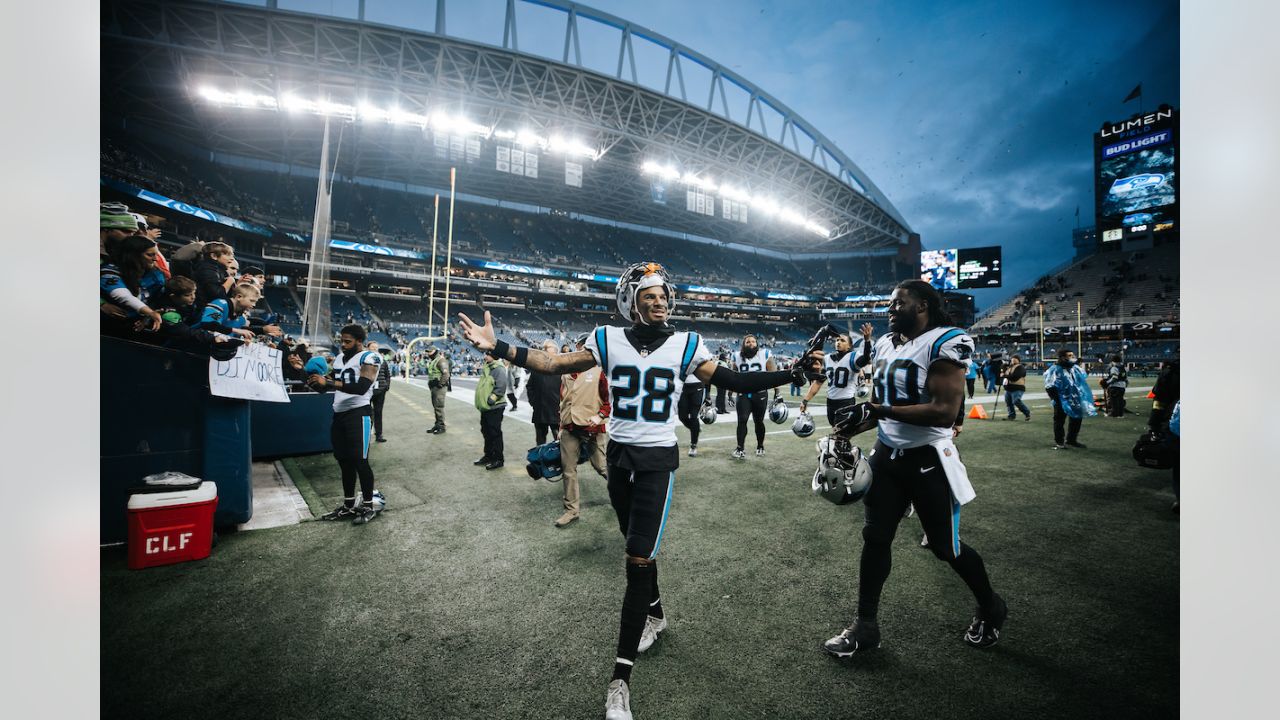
<point x="463" y="601"/>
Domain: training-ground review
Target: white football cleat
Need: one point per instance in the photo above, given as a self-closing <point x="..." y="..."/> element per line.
<point x="652" y="626"/>
<point x="617" y="703"/>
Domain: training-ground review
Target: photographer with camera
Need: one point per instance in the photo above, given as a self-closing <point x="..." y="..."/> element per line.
<point x="438" y="379"/>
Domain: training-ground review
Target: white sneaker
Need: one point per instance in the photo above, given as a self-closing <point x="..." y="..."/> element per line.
<point x="693" y="451"/>
<point x="739" y="454"/>
<point x="911" y="510"/>
<point x="759" y="452"/>
<point x="652" y="626"/>
<point x="617" y="703"/>
<point x="924" y="541"/>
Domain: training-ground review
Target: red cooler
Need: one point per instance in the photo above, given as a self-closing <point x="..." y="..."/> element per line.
<point x="171" y="524"/>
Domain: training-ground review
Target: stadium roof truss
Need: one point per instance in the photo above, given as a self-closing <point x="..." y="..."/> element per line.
<point x="156" y="54"/>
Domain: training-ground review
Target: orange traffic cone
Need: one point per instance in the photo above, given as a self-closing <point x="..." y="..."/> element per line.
<point x="1151" y="394"/>
<point x="978" y="412"/>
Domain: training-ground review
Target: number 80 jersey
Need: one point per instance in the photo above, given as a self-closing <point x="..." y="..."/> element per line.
<point x="645" y="389"/>
<point x="900" y="375"/>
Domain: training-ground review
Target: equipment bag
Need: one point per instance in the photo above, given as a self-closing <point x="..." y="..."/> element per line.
<point x="1154" y="451"/>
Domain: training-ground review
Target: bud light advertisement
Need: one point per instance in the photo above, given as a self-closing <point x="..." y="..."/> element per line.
<point x="1136" y="165"/>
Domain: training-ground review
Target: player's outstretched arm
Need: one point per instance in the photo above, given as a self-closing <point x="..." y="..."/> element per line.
<point x="946" y="388"/>
<point x="712" y="374"/>
<point x="482" y="337"/>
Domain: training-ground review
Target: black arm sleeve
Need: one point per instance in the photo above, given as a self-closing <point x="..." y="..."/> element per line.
<point x="359" y="387"/>
<point x="865" y="358"/>
<point x="749" y="382"/>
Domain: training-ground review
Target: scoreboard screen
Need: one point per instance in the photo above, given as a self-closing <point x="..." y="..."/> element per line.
<point x="961" y="269"/>
<point x="1136" y="166"/>
<point x="979" y="268"/>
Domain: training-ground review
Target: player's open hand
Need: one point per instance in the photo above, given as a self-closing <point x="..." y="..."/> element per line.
<point x="481" y="337"/>
<point x="867" y="330"/>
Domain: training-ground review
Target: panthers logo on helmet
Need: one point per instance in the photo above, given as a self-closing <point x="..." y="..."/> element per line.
<point x="803" y="426"/>
<point x="707" y="414"/>
<point x="778" y="411"/>
<point x="638" y="277"/>
<point x="843" y="475"/>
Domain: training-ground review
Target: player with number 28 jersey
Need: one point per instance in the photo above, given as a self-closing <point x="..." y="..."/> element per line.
<point x="645" y="387"/>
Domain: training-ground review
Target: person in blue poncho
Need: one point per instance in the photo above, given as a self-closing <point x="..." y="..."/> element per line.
<point x="1068" y="387"/>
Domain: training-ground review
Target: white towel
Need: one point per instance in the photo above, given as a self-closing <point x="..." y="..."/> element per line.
<point x="957" y="475"/>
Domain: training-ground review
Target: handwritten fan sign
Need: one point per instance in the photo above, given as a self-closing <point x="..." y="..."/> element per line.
<point x="253" y="374"/>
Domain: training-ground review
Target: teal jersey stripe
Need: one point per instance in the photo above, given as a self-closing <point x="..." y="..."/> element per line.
<point x="690" y="346"/>
<point x="937" y="344"/>
<point x="602" y="343"/>
<point x="666" y="510"/>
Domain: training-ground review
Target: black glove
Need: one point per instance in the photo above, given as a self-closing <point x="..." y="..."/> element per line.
<point x="854" y="419"/>
<point x="802" y="369"/>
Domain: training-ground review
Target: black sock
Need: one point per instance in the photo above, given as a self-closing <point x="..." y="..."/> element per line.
<point x="877" y="561"/>
<point x="655" y="603"/>
<point x="635" y="605"/>
<point x="969" y="566"/>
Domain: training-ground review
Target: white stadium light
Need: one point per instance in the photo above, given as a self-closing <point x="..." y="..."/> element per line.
<point x="529" y="137"/>
<point x="369" y="111"/>
<point x="296" y="104"/>
<point x="402" y="117"/>
<point x="570" y="146"/>
<point x="704" y="183"/>
<point x="504" y="134"/>
<point x="652" y="168"/>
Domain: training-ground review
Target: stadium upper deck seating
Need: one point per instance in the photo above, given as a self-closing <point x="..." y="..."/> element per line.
<point x="1111" y="287"/>
<point x="400" y="218"/>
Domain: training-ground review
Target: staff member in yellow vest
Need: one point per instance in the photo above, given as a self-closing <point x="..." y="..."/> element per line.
<point x="438" y="380"/>
<point x="584" y="408"/>
<point x="491" y="394"/>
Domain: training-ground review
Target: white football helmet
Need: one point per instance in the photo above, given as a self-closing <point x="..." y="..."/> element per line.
<point x="779" y="412"/>
<point x="803" y="426"/>
<point x="638" y="277"/>
<point x="707" y="414"/>
<point x="843" y="475"/>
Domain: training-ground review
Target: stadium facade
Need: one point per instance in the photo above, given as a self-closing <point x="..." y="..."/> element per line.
<point x="241" y="95"/>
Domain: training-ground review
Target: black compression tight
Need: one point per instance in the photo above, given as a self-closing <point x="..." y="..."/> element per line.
<point x="351" y="469"/>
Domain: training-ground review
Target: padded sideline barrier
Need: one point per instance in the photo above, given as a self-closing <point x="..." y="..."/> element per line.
<point x="156" y="414"/>
<point x="299" y="427"/>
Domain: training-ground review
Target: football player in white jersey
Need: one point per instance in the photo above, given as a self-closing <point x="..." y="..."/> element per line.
<point x="646" y="364"/>
<point x="750" y="357"/>
<point x="355" y="371"/>
<point x="919" y="389"/>
<point x="841" y="371"/>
